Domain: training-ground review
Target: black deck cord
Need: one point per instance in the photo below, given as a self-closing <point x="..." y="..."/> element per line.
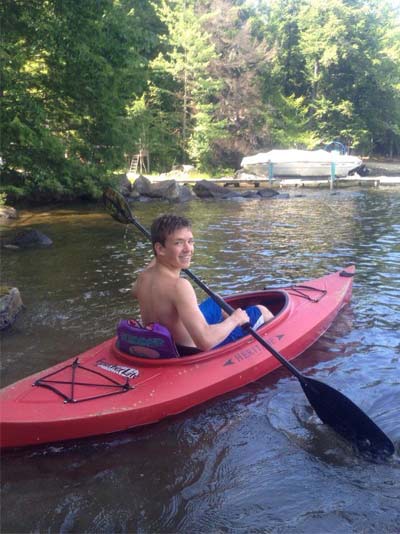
<point x="46" y="383"/>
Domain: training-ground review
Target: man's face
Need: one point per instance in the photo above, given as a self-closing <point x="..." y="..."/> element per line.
<point x="178" y="249"/>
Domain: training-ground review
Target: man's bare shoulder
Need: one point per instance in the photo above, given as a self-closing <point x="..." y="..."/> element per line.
<point x="184" y="293"/>
<point x="183" y="285"/>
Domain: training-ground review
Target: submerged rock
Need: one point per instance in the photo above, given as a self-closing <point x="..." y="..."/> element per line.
<point x="29" y="238"/>
<point x="266" y="192"/>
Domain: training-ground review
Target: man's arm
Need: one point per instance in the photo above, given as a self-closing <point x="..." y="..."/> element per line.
<point x="205" y="336"/>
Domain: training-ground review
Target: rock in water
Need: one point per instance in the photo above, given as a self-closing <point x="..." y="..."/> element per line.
<point x="7" y="212"/>
<point x="31" y="238"/>
<point x="10" y="306"/>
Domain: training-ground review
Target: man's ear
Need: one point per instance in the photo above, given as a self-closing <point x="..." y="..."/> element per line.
<point x="158" y="249"/>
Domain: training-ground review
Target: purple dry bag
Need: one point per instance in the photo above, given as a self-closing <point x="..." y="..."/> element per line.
<point x="153" y="341"/>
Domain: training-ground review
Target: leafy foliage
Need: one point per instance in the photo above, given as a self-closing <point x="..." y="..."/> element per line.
<point x="69" y="69"/>
<point x="337" y="63"/>
<point x="85" y="85"/>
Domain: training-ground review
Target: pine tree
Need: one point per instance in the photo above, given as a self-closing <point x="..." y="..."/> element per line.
<point x="241" y="59"/>
<point x="185" y="62"/>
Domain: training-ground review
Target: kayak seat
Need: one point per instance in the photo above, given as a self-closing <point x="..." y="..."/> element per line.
<point x="187" y="351"/>
<point x="152" y="341"/>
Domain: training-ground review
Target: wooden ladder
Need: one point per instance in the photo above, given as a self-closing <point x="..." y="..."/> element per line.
<point x="134" y="163"/>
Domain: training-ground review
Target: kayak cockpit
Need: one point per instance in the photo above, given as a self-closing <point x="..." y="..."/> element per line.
<point x="276" y="300"/>
<point x="155" y="344"/>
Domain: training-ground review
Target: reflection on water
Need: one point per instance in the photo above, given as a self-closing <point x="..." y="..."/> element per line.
<point x="254" y="460"/>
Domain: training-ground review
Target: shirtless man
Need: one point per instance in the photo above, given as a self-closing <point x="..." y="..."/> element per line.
<point x="167" y="298"/>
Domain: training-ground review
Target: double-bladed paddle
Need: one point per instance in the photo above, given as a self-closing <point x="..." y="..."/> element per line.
<point x="331" y="406"/>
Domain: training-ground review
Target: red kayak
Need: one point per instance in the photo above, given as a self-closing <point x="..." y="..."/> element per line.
<point x="105" y="390"/>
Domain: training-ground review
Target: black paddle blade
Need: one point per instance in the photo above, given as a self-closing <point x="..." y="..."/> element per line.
<point x="117" y="206"/>
<point x="341" y="414"/>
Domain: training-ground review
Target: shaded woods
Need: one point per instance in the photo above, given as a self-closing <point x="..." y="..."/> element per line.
<point x="86" y="85"/>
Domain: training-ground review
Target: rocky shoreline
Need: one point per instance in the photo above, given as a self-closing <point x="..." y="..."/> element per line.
<point x="174" y="185"/>
<point x="141" y="188"/>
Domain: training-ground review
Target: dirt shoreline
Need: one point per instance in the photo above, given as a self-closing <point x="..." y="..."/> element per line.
<point x="382" y="167"/>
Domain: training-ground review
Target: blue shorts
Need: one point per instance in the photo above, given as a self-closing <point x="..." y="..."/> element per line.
<point x="213" y="315"/>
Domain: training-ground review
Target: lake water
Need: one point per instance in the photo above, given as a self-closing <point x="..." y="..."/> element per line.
<point x="254" y="460"/>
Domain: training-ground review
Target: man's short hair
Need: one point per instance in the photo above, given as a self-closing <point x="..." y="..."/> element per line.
<point x="165" y="225"/>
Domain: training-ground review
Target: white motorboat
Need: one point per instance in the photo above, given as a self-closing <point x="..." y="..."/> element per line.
<point x="304" y="163"/>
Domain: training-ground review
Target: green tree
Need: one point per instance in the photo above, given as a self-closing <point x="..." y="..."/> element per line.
<point x="69" y="69"/>
<point x="284" y="38"/>
<point x="384" y="121"/>
<point x="285" y="82"/>
<point x="241" y="61"/>
<point x="335" y="73"/>
<point x="348" y="68"/>
<point x="184" y="65"/>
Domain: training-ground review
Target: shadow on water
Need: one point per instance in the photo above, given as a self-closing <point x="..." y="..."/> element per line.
<point x="256" y="459"/>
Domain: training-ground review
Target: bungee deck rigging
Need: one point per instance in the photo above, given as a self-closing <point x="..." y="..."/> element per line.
<point x="51" y="382"/>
